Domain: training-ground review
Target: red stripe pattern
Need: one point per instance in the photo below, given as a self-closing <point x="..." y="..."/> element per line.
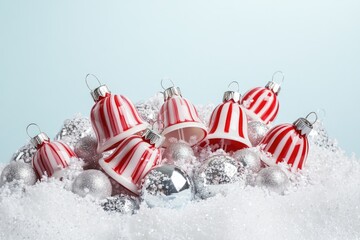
<point x="179" y="113"/>
<point x="114" y="118"/>
<point x="228" y="127"/>
<point x="286" y="144"/>
<point x="130" y="161"/>
<point x="261" y="104"/>
<point x="52" y="157"/>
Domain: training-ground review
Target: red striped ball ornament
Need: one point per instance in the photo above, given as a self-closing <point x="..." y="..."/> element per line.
<point x="261" y="103"/>
<point x="51" y="157"/>
<point x="114" y="118"/>
<point x="228" y="124"/>
<point x="133" y="158"/>
<point x="288" y="143"/>
<point x="180" y="118"/>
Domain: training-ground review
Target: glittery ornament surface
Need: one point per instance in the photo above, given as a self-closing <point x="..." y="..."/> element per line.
<point x="74" y="129"/>
<point x="217" y="170"/>
<point x="180" y="154"/>
<point x="123" y="204"/>
<point x="18" y="171"/>
<point x="248" y="159"/>
<point x="273" y="178"/>
<point x="148" y="110"/>
<point x="93" y="183"/>
<point x="256" y="132"/>
<point x="167" y="186"/>
<point x="24" y="154"/>
<point x="85" y="149"/>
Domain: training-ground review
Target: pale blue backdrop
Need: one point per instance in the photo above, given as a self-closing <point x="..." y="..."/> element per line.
<point x="47" y="47"/>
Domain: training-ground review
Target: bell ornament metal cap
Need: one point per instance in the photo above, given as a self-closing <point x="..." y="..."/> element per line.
<point x="304" y="125"/>
<point x="171" y="91"/>
<point x="273" y="86"/>
<point x="153" y="137"/>
<point x="232" y="95"/>
<point x="99" y="92"/>
<point x="38" y="139"/>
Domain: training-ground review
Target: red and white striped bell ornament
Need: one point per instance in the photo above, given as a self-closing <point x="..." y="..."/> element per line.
<point x="228" y="124"/>
<point x="113" y="117"/>
<point x="51" y="157"/>
<point x="261" y="103"/>
<point x="133" y="158"/>
<point x="180" y="118"/>
<point x="288" y="143"/>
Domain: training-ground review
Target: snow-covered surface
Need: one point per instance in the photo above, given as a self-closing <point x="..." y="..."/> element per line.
<point x="323" y="202"/>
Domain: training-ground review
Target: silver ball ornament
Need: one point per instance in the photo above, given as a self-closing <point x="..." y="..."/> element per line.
<point x="85" y="149"/>
<point x="122" y="203"/>
<point x="273" y="178"/>
<point x="256" y="132"/>
<point x="18" y="171"/>
<point x="248" y="159"/>
<point x="214" y="172"/>
<point x="167" y="186"/>
<point x="178" y="153"/>
<point x="74" y="129"/>
<point x="93" y="183"/>
<point x="24" y="154"/>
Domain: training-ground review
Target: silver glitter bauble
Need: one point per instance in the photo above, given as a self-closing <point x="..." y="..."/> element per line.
<point x="92" y="182"/>
<point x="178" y="153"/>
<point x="24" y="154"/>
<point x="18" y="171"/>
<point x="256" y="132"/>
<point x="167" y="186"/>
<point x="248" y="159"/>
<point x="214" y="172"/>
<point x="74" y="129"/>
<point x="148" y="110"/>
<point x="85" y="149"/>
<point x="273" y="178"/>
<point x="123" y="204"/>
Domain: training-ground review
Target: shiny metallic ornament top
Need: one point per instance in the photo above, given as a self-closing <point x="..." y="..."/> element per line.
<point x="153" y="137"/>
<point x="171" y="91"/>
<point x="273" y="86"/>
<point x="304" y="125"/>
<point x="38" y="139"/>
<point x="99" y="92"/>
<point x="232" y="95"/>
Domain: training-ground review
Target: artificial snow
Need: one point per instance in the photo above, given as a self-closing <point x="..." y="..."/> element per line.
<point x="323" y="202"/>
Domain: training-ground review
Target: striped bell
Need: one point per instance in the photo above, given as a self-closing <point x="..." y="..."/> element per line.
<point x="261" y="103"/>
<point x="113" y="117"/>
<point x="51" y="157"/>
<point x="288" y="143"/>
<point x="180" y="118"/>
<point x="133" y="158"/>
<point x="228" y="124"/>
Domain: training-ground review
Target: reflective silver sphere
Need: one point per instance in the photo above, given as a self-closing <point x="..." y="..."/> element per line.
<point x="273" y="178"/>
<point x="248" y="159"/>
<point x="167" y="186"/>
<point x="19" y="171"/>
<point x="92" y="182"/>
<point x="178" y="153"/>
<point x="215" y="171"/>
<point x="256" y="132"/>
<point x="123" y="204"/>
<point x="85" y="149"/>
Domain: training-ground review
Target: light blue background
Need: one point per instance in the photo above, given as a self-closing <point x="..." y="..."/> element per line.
<point x="47" y="47"/>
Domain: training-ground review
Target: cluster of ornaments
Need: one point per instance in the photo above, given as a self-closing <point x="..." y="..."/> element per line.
<point x="126" y="160"/>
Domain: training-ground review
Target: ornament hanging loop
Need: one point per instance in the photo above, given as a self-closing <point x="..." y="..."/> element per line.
<point x="276" y="73"/>
<point x="167" y="79"/>
<point x="86" y="80"/>
<point x="235" y="82"/>
<point x="32" y="124"/>
<point x="312" y="113"/>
